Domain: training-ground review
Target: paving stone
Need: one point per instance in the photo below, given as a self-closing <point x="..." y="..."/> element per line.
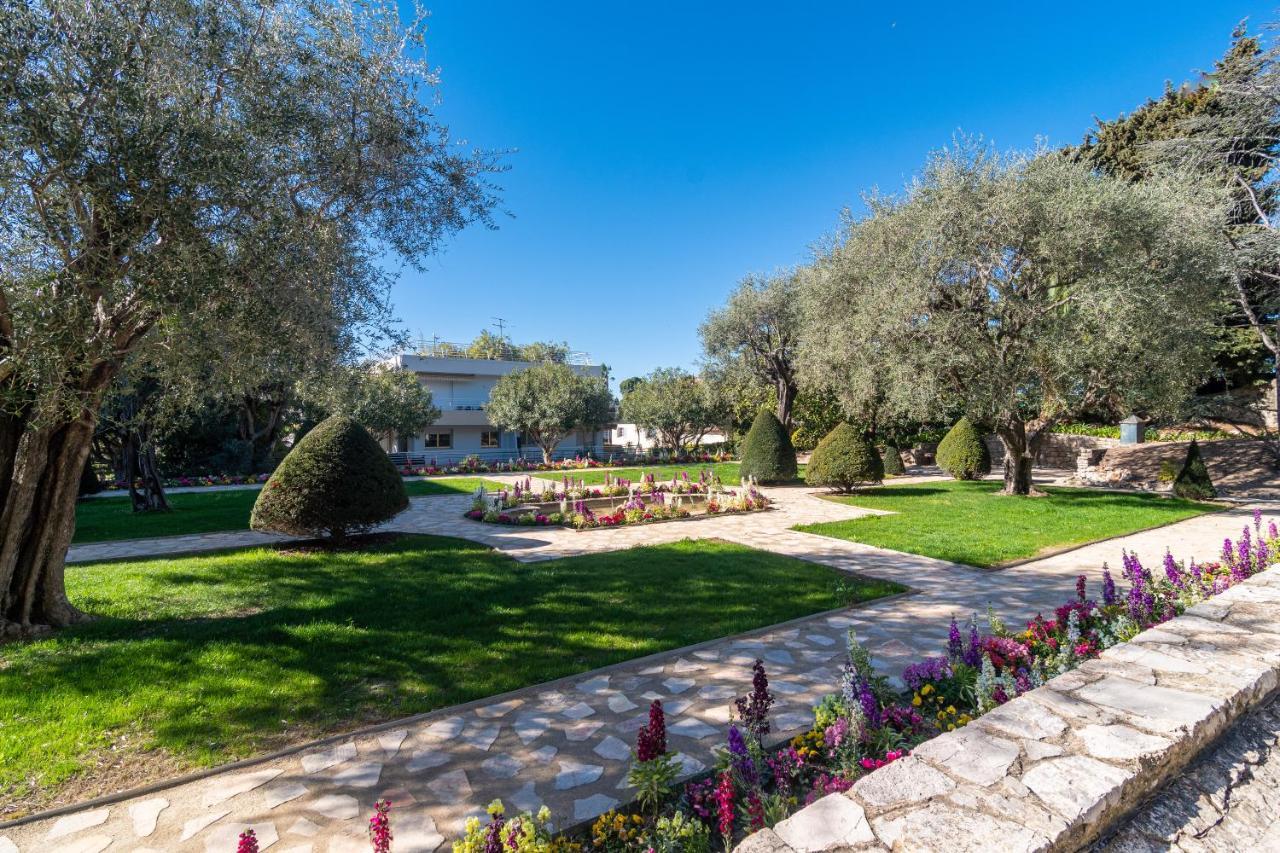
<point x="480" y="737"/>
<point x="684" y="666"/>
<point x="446" y="729"/>
<point x="820" y="639"/>
<point x="592" y="806"/>
<point x="574" y="774"/>
<point x="89" y="844"/>
<point x="526" y="799"/>
<point x="707" y="654"/>
<point x="599" y="684"/>
<point x="678" y="685"/>
<point x="970" y="754"/>
<point x="451" y="787"/>
<point x="303" y="827"/>
<point x="578" y="711"/>
<point x="828" y="824"/>
<point x="613" y="749"/>
<point x="335" y="806"/>
<point x="144" y="815"/>
<point x="199" y="822"/>
<point x="390" y="742"/>
<point x="544" y="754"/>
<point x="581" y="731"/>
<point x="425" y="759"/>
<point x="531" y="727"/>
<point x="364" y="774"/>
<point x="1075" y="786"/>
<point x="619" y="704"/>
<point x="502" y="766"/>
<point x="7" y="846"/>
<point x="779" y="656"/>
<point x="717" y="691"/>
<point x="77" y="821"/>
<point x="314" y="762"/>
<point x="691" y="727"/>
<point x="792" y="720"/>
<point x="226" y="837"/>
<point x="501" y="709"/>
<point x="689" y="765"/>
<point x="416" y="833"/>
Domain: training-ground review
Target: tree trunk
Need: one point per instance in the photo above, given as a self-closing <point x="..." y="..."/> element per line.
<point x="40" y="470"/>
<point x="1021" y="446"/>
<point x="141" y="465"/>
<point x="786" y="399"/>
<point x="1018" y="458"/>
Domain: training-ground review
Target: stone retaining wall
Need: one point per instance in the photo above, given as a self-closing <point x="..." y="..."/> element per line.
<point x="1058" y="450"/>
<point x="1055" y="767"/>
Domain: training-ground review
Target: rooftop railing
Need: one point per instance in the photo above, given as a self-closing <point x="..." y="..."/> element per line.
<point x="515" y="352"/>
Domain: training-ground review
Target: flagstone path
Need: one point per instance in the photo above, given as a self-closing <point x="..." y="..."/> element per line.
<point x="566" y="744"/>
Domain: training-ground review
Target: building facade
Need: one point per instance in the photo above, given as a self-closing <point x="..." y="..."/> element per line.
<point x="460" y="389"/>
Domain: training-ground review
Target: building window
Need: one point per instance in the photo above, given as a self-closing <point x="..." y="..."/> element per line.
<point x="489" y="438"/>
<point x="438" y="439"/>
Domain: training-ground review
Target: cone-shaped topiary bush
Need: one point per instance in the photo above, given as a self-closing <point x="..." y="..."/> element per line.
<point x="1193" y="480"/>
<point x="963" y="454"/>
<point x="335" y="482"/>
<point x="767" y="453"/>
<point x="892" y="457"/>
<point x="844" y="460"/>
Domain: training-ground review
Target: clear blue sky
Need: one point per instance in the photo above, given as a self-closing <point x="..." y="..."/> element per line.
<point x="663" y="150"/>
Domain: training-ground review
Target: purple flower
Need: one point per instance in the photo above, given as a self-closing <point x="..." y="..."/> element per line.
<point x="1272" y="531"/>
<point x="754" y="707"/>
<point x="973" y="653"/>
<point x="929" y="670"/>
<point x="1108" y="587"/>
<point x="1257" y="521"/>
<point x="870" y="705"/>
<point x="740" y="756"/>
<point x="955" y="646"/>
<point x="1080" y="587"/>
<point x="1171" y="570"/>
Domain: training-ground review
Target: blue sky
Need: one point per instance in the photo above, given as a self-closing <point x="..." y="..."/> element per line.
<point x="661" y="151"/>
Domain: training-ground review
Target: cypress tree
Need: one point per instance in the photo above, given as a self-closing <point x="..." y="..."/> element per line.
<point x="767" y="453"/>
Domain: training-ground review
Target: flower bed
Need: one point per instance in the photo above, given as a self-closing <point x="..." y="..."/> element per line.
<point x="616" y="503"/>
<point x="517" y="465"/>
<point x="197" y="481"/>
<point x="867" y="724"/>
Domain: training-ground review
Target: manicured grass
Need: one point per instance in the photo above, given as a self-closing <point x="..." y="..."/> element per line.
<point x="108" y="519"/>
<point x="218" y="656"/>
<point x="970" y="522"/>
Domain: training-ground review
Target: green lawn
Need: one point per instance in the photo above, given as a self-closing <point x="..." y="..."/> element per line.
<point x="224" y="655"/>
<point x="107" y="519"/>
<point x="970" y="522"/>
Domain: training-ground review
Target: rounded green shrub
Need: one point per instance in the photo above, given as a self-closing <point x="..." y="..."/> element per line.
<point x="336" y="481"/>
<point x="1193" y="480"/>
<point x="767" y="453"/>
<point x="963" y="454"/>
<point x="892" y="457"/>
<point x="844" y="460"/>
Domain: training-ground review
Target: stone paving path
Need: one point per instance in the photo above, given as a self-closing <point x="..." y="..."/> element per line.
<point x="567" y="743"/>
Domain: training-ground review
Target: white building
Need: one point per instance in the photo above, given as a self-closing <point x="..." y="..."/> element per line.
<point x="460" y="389"/>
<point x="633" y="437"/>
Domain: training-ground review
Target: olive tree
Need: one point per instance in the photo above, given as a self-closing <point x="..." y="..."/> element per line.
<point x="672" y="403"/>
<point x="387" y="401"/>
<point x="759" y="328"/>
<point x="547" y="402"/>
<point x="165" y="161"/>
<point x="1021" y="288"/>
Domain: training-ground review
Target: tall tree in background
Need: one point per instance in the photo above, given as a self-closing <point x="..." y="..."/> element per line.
<point x="759" y="327"/>
<point x="164" y="159"/>
<point x="547" y="402"/>
<point x="1024" y="289"/>
<point x="671" y="403"/>
<point x="1225" y="131"/>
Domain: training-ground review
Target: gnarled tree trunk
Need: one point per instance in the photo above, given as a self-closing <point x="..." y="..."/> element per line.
<point x="40" y="469"/>
<point x="1021" y="442"/>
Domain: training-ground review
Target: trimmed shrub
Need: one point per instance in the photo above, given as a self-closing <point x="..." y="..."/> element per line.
<point x="844" y="460"/>
<point x="336" y="481"/>
<point x="767" y="453"/>
<point x="963" y="454"/>
<point x="1193" y="480"/>
<point x="892" y="457"/>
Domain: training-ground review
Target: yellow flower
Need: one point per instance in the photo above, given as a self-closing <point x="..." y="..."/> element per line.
<point x="951" y="727"/>
<point x="951" y="709"/>
<point x="495" y="808"/>
<point x="926" y="690"/>
<point x="915" y="700"/>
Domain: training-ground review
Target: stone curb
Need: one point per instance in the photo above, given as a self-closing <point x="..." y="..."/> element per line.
<point x="1056" y="767"/>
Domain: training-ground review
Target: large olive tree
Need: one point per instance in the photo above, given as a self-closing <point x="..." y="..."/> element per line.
<point x="547" y="402"/>
<point x="166" y="162"/>
<point x="758" y="330"/>
<point x="1023" y="288"/>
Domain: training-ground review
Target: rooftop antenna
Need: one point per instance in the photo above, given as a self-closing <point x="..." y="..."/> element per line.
<point x="501" y="323"/>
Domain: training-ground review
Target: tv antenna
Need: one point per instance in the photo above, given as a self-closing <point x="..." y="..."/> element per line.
<point x="501" y="323"/>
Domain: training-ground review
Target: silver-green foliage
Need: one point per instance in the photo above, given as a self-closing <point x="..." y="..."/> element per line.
<point x="547" y="402"/>
<point x="1022" y="288"/>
